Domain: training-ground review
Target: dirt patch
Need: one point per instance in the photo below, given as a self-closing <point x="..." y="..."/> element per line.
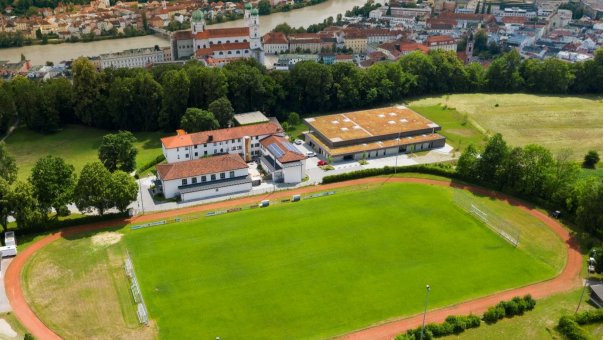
<point x="6" y="329"/>
<point x="106" y="239"/>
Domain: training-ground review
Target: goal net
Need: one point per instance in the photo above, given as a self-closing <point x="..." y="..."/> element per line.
<point x="493" y="220"/>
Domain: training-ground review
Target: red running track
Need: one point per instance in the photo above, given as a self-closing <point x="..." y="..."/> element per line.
<point x="568" y="278"/>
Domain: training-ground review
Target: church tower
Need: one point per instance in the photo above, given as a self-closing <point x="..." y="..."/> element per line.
<point x="198" y="24"/>
<point x="254" y="25"/>
<point x="469" y="49"/>
<point x="246" y="14"/>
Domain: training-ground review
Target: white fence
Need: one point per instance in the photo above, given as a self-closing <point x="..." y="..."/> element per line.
<point x="141" y="308"/>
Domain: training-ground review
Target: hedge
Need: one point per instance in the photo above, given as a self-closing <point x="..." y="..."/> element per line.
<point x="56" y="224"/>
<point x="148" y="165"/>
<point x="454" y="324"/>
<point x="440" y="169"/>
<point x="515" y="306"/>
<point x="569" y="325"/>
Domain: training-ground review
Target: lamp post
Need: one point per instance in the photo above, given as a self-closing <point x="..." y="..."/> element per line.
<point x="585" y="285"/>
<point x="421" y="337"/>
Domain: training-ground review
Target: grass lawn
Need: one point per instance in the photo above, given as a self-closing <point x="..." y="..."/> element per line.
<point x="555" y="122"/>
<point x="78" y="286"/>
<point x="333" y="265"/>
<point x="458" y="134"/>
<point x="538" y="324"/>
<point x="77" y="144"/>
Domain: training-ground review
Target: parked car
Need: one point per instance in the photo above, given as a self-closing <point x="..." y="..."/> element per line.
<point x="298" y="142"/>
<point x="321" y="163"/>
<point x="310" y="154"/>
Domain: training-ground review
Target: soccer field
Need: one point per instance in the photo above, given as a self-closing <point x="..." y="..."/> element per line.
<point x="323" y="267"/>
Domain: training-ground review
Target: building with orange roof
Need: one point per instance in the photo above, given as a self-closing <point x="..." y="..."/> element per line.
<point x="443" y="42"/>
<point x="372" y="133"/>
<point x="275" y="43"/>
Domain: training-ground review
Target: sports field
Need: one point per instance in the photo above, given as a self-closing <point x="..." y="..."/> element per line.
<point x="327" y="266"/>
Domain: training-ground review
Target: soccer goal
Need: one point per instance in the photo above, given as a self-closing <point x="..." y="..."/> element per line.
<point x="496" y="222"/>
<point x="141" y="308"/>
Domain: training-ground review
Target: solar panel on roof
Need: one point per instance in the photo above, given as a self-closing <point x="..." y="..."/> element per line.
<point x="289" y="146"/>
<point x="276" y="150"/>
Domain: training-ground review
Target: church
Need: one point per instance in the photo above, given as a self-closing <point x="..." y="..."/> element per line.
<point x="216" y="47"/>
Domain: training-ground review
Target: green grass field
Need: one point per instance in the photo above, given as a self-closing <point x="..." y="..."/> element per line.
<point x="555" y="122"/>
<point x="327" y="266"/>
<point x="77" y="144"/>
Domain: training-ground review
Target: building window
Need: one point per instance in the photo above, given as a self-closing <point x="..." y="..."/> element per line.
<point x="177" y="149"/>
<point x="193" y="180"/>
<point x="205" y="145"/>
<point x="205" y="153"/>
<point x="222" y="175"/>
<point x="231" y="174"/>
<point x="214" y="143"/>
<point x="195" y="147"/>
<point x="178" y="156"/>
<point x="221" y="150"/>
<point x="213" y="177"/>
<point x="203" y="178"/>
<point x="234" y="148"/>
<point x="239" y="140"/>
<point x="196" y="154"/>
<point x="215" y="150"/>
<point x="184" y="181"/>
<point x="187" y="155"/>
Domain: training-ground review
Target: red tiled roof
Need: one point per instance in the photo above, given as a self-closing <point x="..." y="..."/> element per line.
<point x="439" y="38"/>
<point x="382" y="32"/>
<point x="288" y="156"/>
<point x="343" y="57"/>
<point x="514" y="20"/>
<point x="304" y="35"/>
<point x="413" y="47"/>
<point x="187" y="34"/>
<point x="304" y="41"/>
<point x="223" y="33"/>
<point x="220" y="135"/>
<point x="201" y="166"/>
<point x="230" y="46"/>
<point x="275" y="38"/>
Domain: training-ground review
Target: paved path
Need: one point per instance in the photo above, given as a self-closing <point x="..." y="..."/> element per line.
<point x="568" y="279"/>
<point x="4" y="304"/>
<point x="10" y="130"/>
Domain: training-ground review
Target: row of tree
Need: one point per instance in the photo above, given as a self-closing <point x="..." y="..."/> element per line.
<point x="53" y="185"/>
<point x="157" y="98"/>
<point x="533" y="172"/>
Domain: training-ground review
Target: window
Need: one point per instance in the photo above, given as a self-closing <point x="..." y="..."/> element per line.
<point x="184" y="181"/>
<point x="177" y="149"/>
<point x="203" y="178"/>
<point x="239" y="140"/>
<point x="221" y="150"/>
<point x="231" y="174"/>
<point x="215" y="150"/>
<point x="234" y="148"/>
<point x="178" y="156"/>
<point x="213" y="177"/>
<point x="193" y="180"/>
<point x="196" y="154"/>
<point x="222" y="175"/>
<point x="205" y="153"/>
<point x="186" y="148"/>
<point x="195" y="147"/>
<point x="214" y="143"/>
<point x="239" y="147"/>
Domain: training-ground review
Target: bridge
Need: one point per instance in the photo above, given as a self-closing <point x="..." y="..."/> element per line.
<point x="161" y="32"/>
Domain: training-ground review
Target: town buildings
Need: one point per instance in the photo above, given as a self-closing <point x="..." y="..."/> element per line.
<point x="139" y="57"/>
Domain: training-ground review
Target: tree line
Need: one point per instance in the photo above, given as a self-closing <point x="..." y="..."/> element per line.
<point x="533" y="172"/>
<point x="157" y="98"/>
<point x="38" y="202"/>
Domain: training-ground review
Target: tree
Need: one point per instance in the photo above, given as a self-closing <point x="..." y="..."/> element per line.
<point x="87" y="98"/>
<point x="537" y="164"/>
<point x="503" y="74"/>
<point x="195" y="120"/>
<point x="24" y="205"/>
<point x="117" y="151"/>
<point x="122" y="190"/>
<point x="246" y="85"/>
<point x="6" y="105"/>
<point x="563" y="178"/>
<point x="176" y="93"/>
<point x="53" y="181"/>
<point x="493" y="157"/>
<point x="586" y="201"/>
<point x="467" y="165"/>
<point x="8" y="164"/>
<point x="285" y="126"/>
<point x="293" y="119"/>
<point x="591" y="159"/>
<point x="58" y="95"/>
<point x="311" y="85"/>
<point x="264" y="7"/>
<point x="92" y="189"/>
<point x="206" y="85"/>
<point x="222" y="111"/>
<point x="5" y="206"/>
<point x="145" y="25"/>
<point x="599" y="259"/>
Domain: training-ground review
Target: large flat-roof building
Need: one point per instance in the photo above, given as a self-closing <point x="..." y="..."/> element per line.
<point x="373" y="133"/>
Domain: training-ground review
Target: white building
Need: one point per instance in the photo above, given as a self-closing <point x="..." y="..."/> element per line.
<point x="139" y="57"/>
<point x="243" y="140"/>
<point x="205" y="177"/>
<point x="282" y="160"/>
<point x="444" y="42"/>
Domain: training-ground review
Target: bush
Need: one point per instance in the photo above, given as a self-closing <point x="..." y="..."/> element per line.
<point x="363" y="162"/>
<point x="61" y="224"/>
<point x="327" y="168"/>
<point x="591" y="159"/>
<point x="588" y="317"/>
<point x="516" y="306"/>
<point x="153" y="163"/>
<point x="571" y="330"/>
<point x="445" y="170"/>
<point x="29" y="336"/>
<point x="530" y="302"/>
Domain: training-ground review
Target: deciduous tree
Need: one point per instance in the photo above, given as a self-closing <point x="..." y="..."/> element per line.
<point x="222" y="111"/>
<point x="53" y="181"/>
<point x="122" y="190"/>
<point x="117" y="151"/>
<point x="8" y="164"/>
<point x="92" y="189"/>
<point x="196" y="120"/>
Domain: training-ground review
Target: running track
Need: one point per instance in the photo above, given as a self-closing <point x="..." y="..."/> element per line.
<point x="568" y="279"/>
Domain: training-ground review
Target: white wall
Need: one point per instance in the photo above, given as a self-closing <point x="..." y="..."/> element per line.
<point x="171" y="187"/>
<point x="217" y="192"/>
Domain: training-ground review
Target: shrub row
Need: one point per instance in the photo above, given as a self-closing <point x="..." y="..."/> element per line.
<point x="440" y="169"/>
<point x="147" y="166"/>
<point x="56" y="224"/>
<point x="454" y="324"/>
<point x="570" y="325"/>
<point x="516" y="306"/>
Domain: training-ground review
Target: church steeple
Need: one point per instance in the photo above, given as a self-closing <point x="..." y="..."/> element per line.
<point x="255" y="30"/>
<point x="469" y="49"/>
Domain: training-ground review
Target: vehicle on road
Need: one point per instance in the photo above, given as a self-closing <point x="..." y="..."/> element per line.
<point x="321" y="163"/>
<point x="298" y="142"/>
<point x="310" y="154"/>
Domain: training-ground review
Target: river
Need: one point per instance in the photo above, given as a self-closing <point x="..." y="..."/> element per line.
<point x="306" y="16"/>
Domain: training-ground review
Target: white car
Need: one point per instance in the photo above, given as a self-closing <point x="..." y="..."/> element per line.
<point x="310" y="154"/>
<point x="298" y="142"/>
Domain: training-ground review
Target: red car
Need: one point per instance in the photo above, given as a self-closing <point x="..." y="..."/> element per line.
<point x="320" y="163"/>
